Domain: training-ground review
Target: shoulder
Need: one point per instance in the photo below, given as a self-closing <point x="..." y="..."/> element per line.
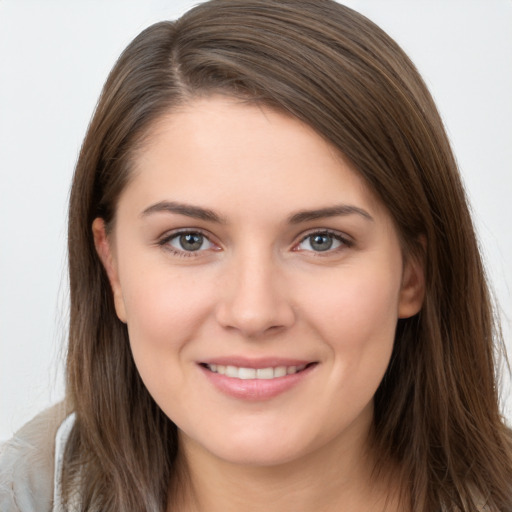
<point x="27" y="464"/>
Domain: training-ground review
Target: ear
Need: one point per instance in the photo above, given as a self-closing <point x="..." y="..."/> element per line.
<point x="412" y="292"/>
<point x="105" y="253"/>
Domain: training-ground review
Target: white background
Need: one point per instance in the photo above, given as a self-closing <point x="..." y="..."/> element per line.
<point x="54" y="57"/>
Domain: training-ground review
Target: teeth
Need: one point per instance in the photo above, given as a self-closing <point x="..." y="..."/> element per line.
<point x="255" y="373"/>
<point x="265" y="373"/>
<point x="231" y="371"/>
<point x="280" y="371"/>
<point x="246" y="373"/>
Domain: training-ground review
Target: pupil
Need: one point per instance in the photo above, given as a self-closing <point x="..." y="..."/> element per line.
<point x="321" y="242"/>
<point x="191" y="241"/>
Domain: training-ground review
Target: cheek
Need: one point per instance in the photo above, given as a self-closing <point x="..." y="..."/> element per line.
<point x="164" y="310"/>
<point x="358" y="303"/>
<point x="356" y="316"/>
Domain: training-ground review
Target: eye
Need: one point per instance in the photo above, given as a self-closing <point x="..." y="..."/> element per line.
<point x="322" y="241"/>
<point x="187" y="242"/>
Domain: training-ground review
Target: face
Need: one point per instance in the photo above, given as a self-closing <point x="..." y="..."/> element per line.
<point x="260" y="280"/>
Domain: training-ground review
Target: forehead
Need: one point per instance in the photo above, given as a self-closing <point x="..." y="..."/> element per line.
<point x="226" y="153"/>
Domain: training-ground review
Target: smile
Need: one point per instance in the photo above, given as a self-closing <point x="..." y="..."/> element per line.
<point x="240" y="372"/>
<point x="256" y="380"/>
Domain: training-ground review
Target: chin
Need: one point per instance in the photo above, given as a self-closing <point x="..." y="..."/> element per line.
<point x="252" y="448"/>
<point x="259" y="455"/>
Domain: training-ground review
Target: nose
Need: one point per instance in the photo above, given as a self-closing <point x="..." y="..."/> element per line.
<point x="254" y="297"/>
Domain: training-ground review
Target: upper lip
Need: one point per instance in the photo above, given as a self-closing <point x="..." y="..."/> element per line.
<point x="260" y="362"/>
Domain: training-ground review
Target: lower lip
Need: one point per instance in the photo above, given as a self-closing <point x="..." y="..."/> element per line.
<point x="256" y="389"/>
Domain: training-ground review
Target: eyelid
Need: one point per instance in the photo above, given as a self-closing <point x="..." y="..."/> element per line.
<point x="345" y="240"/>
<point x="163" y="241"/>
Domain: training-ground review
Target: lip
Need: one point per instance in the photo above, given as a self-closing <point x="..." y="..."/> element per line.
<point x="259" y="362"/>
<point x="256" y="389"/>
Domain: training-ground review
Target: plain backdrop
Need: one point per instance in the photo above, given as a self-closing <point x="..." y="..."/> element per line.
<point x="54" y="58"/>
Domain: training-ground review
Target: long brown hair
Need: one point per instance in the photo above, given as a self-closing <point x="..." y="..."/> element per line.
<point x="436" y="411"/>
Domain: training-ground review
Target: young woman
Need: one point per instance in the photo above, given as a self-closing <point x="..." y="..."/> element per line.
<point x="277" y="299"/>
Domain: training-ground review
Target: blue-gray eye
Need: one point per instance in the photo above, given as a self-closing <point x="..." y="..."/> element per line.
<point x="320" y="242"/>
<point x="190" y="242"/>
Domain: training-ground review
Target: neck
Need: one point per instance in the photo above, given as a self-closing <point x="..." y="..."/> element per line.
<point x="340" y="476"/>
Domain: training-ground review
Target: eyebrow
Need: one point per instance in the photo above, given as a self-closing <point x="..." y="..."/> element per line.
<point x="332" y="211"/>
<point x="196" y="212"/>
<point x="206" y="214"/>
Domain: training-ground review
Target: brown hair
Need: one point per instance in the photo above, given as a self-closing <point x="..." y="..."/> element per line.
<point x="436" y="410"/>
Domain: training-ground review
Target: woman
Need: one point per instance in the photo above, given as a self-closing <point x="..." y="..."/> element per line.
<point x="277" y="300"/>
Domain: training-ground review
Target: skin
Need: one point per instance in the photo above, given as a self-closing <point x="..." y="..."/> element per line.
<point x="258" y="287"/>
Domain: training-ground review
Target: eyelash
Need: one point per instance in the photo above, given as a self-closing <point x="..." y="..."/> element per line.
<point x="344" y="241"/>
<point x="165" y="242"/>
